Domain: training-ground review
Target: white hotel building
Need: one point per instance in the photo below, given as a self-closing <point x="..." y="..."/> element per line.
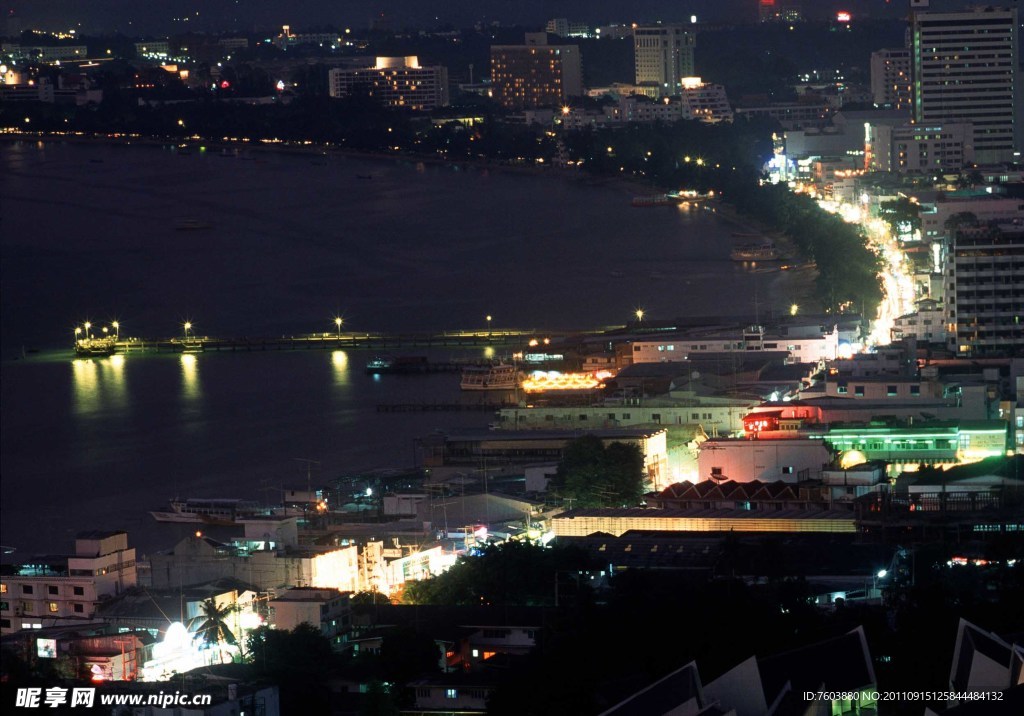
<point x="394" y="82"/>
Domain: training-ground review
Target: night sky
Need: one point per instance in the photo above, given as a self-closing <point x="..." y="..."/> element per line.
<point x="137" y="17"/>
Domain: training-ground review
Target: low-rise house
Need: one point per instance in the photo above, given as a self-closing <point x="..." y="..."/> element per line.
<point x="328" y="610"/>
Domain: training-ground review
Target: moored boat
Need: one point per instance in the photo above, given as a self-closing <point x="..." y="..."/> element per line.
<point x="208" y="511"/>
<point x="96" y="346"/>
<point x="499" y="376"/>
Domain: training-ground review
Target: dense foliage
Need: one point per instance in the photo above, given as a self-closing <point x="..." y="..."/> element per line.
<point x="593" y="475"/>
<point x="510" y="574"/>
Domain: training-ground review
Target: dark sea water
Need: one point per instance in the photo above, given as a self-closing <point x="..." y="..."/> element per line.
<point x="88" y="232"/>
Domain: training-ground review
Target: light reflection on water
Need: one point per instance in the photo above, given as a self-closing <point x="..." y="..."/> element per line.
<point x="191" y="388"/>
<point x="98" y="384"/>
<point x="339" y="361"/>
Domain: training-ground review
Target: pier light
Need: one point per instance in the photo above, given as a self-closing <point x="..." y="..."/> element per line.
<point x="117" y="329"/>
<point x="87" y="327"/>
<point x="78" y="332"/>
<point x="639" y="314"/>
<point x="188" y="327"/>
<point x="338" y="320"/>
<point x="488" y="324"/>
<point x="106" y="331"/>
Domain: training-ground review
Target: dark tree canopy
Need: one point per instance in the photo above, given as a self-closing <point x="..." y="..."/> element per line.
<point x="592" y="475"/>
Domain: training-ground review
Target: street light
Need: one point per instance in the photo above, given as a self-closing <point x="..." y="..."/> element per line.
<point x="117" y="329"/>
<point x="488" y="324"/>
<point x="639" y="314"/>
<point x="106" y="331"/>
<point x="87" y="327"/>
<point x="78" y="332"/>
<point x="793" y="309"/>
<point x="188" y="327"/>
<point x="338" y="320"/>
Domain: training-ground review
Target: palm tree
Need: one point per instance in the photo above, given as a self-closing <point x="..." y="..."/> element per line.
<point x="212" y="623"/>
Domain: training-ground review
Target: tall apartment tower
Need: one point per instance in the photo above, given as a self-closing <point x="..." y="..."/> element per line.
<point x="986" y="289"/>
<point x="664" y="56"/>
<point x="890" y="78"/>
<point x="535" y="74"/>
<point x="965" y="69"/>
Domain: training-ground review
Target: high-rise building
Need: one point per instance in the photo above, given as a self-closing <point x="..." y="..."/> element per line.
<point x="395" y="82"/>
<point x="890" y="78"/>
<point x="986" y="295"/>
<point x="664" y="56"/>
<point x="965" y="69"/>
<point x="535" y="74"/>
<point x="704" y="101"/>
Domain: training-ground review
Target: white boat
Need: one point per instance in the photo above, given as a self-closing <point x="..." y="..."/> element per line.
<point x="500" y="376"/>
<point x="209" y="511"/>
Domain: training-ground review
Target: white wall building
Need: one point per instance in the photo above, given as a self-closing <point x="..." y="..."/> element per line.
<point x="326" y="609"/>
<point x="704" y="101"/>
<point x="47" y="594"/>
<point x="744" y="460"/>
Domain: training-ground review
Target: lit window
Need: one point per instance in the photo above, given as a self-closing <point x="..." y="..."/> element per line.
<point x="53" y="607"/>
<point x="451" y="693"/>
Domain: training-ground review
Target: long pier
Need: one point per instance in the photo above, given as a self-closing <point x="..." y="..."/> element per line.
<point x="367" y="341"/>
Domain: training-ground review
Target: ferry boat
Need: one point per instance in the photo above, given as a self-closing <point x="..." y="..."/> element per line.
<point x="95" y="347"/>
<point x="754" y="252"/>
<point x="208" y="511"/>
<point x="500" y="376"/>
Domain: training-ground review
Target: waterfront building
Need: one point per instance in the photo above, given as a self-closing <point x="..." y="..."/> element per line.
<point x="664" y="56"/>
<point x="535" y="74"/>
<point x="154" y="49"/>
<point x="918" y="442"/>
<point x="399" y="82"/>
<point x="55" y="590"/>
<point x="803" y="348"/>
<point x="965" y="70"/>
<point x="985" y="296"/>
<point x="919" y="148"/>
<point x="891" y="86"/>
<point x="704" y="101"/>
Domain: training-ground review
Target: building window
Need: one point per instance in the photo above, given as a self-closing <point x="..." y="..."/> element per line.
<point x="656" y="417"/>
<point x="716" y="471"/>
<point x="3" y="587"/>
<point x="78" y="591"/>
<point x="583" y="416"/>
<point x="53" y="607"/>
<point x="841" y="389"/>
<point x="27" y="589"/>
<point x="611" y="416"/>
<point x="27" y="607"/>
<point x="50" y="589"/>
<point x="858" y="390"/>
<point x="423" y="693"/>
<point x="625" y="416"/>
<point x="915" y="390"/>
<point x="78" y="608"/>
<point x="891" y="391"/>
<point x="787" y="469"/>
<point x="451" y="693"/>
